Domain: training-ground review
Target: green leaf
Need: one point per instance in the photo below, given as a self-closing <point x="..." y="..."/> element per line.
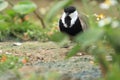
<point x="11" y="13"/>
<point x="25" y="7"/>
<point x="89" y="37"/>
<point x="114" y="72"/>
<point x="114" y="38"/>
<point x="58" y="37"/>
<point x="3" y="5"/>
<point x="57" y="6"/>
<point x="4" y="26"/>
<point x="1" y="17"/>
<point x="73" y="51"/>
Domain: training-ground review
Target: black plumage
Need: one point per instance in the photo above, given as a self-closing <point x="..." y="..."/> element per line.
<point x="74" y="30"/>
<point x="70" y="22"/>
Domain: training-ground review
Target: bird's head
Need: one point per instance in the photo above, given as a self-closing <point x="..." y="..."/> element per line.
<point x="69" y="16"/>
<point x="69" y="10"/>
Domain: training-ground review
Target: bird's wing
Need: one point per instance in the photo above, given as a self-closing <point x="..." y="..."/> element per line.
<point x="84" y="21"/>
<point x="61" y="26"/>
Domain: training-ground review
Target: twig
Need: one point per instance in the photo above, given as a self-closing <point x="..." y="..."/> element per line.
<point x="40" y="18"/>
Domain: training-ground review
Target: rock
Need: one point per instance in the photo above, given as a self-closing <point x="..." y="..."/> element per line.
<point x="17" y="44"/>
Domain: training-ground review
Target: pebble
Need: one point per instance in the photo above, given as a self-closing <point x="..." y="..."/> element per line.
<point x="17" y="44"/>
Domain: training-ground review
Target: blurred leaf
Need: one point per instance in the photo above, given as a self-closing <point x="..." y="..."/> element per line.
<point x="73" y="51"/>
<point x="11" y="13"/>
<point x="3" y="26"/>
<point x="58" y="37"/>
<point x="25" y="7"/>
<point x="3" y="5"/>
<point x="1" y="17"/>
<point x="89" y="37"/>
<point x="114" y="38"/>
<point x="114" y="72"/>
<point x="57" y="6"/>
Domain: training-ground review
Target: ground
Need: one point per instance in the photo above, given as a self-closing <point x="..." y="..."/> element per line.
<point x="45" y="57"/>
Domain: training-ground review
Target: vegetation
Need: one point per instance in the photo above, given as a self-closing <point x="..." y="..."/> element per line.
<point x="100" y="40"/>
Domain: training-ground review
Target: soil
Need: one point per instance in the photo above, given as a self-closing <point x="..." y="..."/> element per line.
<point x="47" y="57"/>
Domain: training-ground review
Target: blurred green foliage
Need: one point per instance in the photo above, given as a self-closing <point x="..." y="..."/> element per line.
<point x="9" y="62"/>
<point x="3" y="5"/>
<point x="15" y="22"/>
<point x="24" y="7"/>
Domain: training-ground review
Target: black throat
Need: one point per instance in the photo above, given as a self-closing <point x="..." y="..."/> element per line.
<point x="68" y="21"/>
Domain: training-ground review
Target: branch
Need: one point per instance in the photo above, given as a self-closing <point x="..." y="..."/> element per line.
<point x="40" y="18"/>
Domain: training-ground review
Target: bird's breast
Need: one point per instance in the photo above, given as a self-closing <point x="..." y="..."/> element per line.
<point x="68" y="21"/>
<point x="72" y="30"/>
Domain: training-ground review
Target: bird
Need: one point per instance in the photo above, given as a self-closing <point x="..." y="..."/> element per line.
<point x="71" y="23"/>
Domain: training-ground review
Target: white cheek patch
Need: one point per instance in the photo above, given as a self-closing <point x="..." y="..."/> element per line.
<point x="73" y="17"/>
<point x="63" y="20"/>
